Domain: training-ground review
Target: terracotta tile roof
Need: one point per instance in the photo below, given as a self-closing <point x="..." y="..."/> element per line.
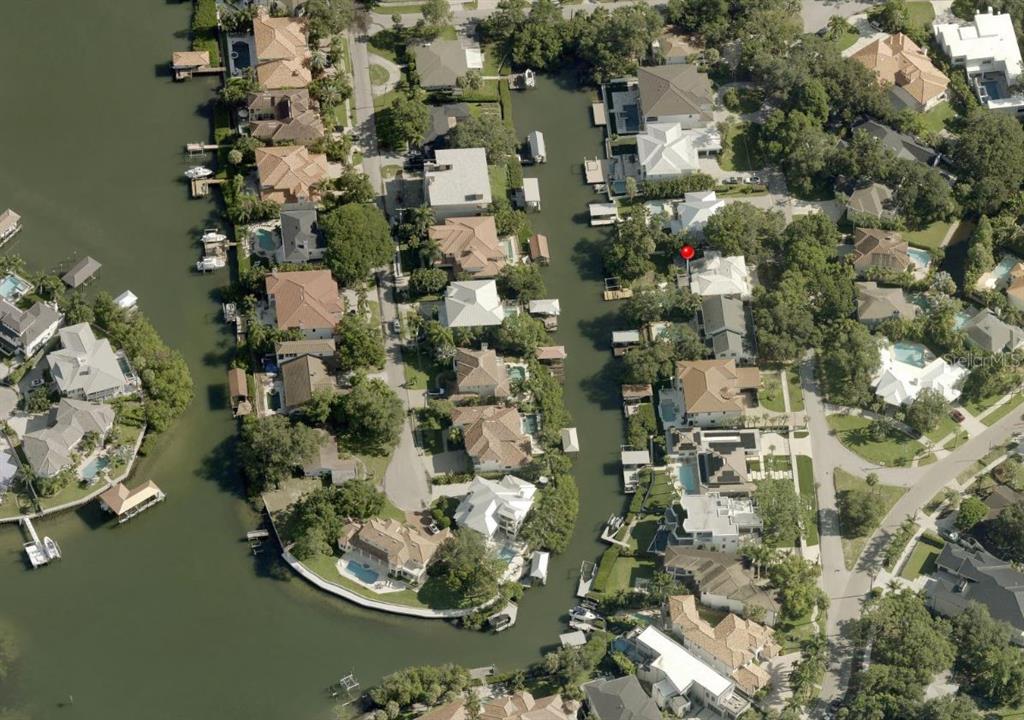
<point x="898" y="61"/>
<point x="288" y="173"/>
<point x="715" y="385"/>
<point x="470" y="245"/>
<point x="190" y="59"/>
<point x="885" y="249"/>
<point x="519" y="706"/>
<point x="480" y="368"/>
<point x="281" y="51"/>
<point x="307" y="299"/>
<point x="493" y="434"/>
<point x="397" y="544"/>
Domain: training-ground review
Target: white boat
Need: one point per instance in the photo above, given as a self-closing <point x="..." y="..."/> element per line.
<point x="582" y="614"/>
<point x="51" y="548"/>
<point x="211" y="235"/>
<point x="211" y="262"/>
<point x="198" y="171"/>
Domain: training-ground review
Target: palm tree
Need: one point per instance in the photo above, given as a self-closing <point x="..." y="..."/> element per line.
<point x="872" y="480"/>
<point x="837" y="25"/>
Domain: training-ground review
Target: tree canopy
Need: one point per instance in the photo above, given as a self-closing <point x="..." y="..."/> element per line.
<point x="272" y="447"/>
<point x="371" y="414"/>
<point x="358" y="240"/>
<point x="360" y="344"/>
<point x="468" y="568"/>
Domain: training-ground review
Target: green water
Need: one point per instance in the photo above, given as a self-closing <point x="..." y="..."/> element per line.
<point x="169" y="616"/>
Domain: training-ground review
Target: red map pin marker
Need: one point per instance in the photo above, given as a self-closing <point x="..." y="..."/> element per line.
<point x="687" y="252"/>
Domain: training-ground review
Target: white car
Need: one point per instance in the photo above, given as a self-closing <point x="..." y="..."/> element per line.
<point x="37" y="382"/>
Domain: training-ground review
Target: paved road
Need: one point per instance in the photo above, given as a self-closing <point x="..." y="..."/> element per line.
<point x="362" y="96"/>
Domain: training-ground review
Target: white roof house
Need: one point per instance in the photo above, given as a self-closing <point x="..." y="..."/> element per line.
<point x="457" y="183"/>
<point x="491" y="506"/>
<point x="86" y="367"/>
<point x="906" y="369"/>
<point x="717" y="275"/>
<point x="667" y="150"/>
<point x="693" y="213"/>
<point x="675" y="671"/>
<point x="472" y="303"/>
<point x="539" y="566"/>
<point x="987" y="49"/>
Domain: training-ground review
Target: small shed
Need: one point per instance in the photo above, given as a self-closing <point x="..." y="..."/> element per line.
<point x="597" y="112"/>
<point x="570" y="440"/>
<point x="622" y="340"/>
<point x="635" y="458"/>
<point x="127" y="300"/>
<point x="528" y="196"/>
<point x="81" y="272"/>
<point x="537" y="149"/>
<point x="539" y="567"/>
<point x="545" y="306"/>
<point x="539" y="251"/>
<point x="550" y="353"/>
<point x="576" y="638"/>
<point x="126" y="504"/>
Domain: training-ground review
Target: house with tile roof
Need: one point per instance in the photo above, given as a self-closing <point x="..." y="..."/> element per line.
<point x="882" y="249"/>
<point x="402" y="548"/>
<point x="496" y="507"/>
<point x="875" y="304"/>
<point x="520" y="705"/>
<point x="714" y="274"/>
<point x="282" y="52"/>
<point x="302" y="378"/>
<point x="733" y="647"/>
<point x="472" y="303"/>
<point x="679" y="94"/>
<point x="306" y="300"/>
<point x="51" y="449"/>
<point x="469" y="246"/>
<point x="905" y="69"/>
<point x="708" y="393"/>
<point x="719" y="580"/>
<point x="872" y="202"/>
<point x="86" y="367"/>
<point x="481" y="373"/>
<point x="494" y="437"/>
<point x="290" y="173"/>
<point x="284" y="116"/>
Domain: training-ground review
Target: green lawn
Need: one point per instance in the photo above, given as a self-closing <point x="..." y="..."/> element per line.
<point x="945" y="427"/>
<point x="326" y="567"/>
<point x="927" y="459"/>
<point x="499" y="180"/>
<point x="844" y="481"/>
<point x="921" y="12"/>
<point x="400" y="9"/>
<point x="626" y="572"/>
<point x="770" y="394"/>
<point x="791" y="633"/>
<point x="805" y="477"/>
<point x="420" y="369"/>
<point x="935" y="119"/>
<point x="492" y="61"/>
<point x="1003" y="410"/>
<point x="930" y="238"/>
<point x="378" y="74"/>
<point x="895" y="450"/>
<point x="922" y="558"/>
<point x="977" y="406"/>
<point x="846" y="40"/>
<point x="957" y="440"/>
<point x="384" y="101"/>
<point x="739" y="148"/>
<point x="796" y="393"/>
<point x="749" y="100"/>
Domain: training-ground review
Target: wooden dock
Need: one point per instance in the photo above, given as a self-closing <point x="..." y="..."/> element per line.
<point x="186" y="73"/>
<point x="201" y="186"/>
<point x="197" y="148"/>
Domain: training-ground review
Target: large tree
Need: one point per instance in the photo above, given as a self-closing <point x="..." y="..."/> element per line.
<point x="928" y="408"/>
<point x="520" y="335"/>
<point x="903" y="633"/>
<point x="522" y="282"/>
<point x="988" y="158"/>
<point x="1005" y="534"/>
<point x="779" y="508"/>
<point x="797" y="582"/>
<point x="358" y="240"/>
<point x="371" y="414"/>
<point x="628" y="253"/>
<point x="987" y="662"/>
<point x="360" y="344"/>
<point x="477" y="131"/>
<point x="468" y="568"/>
<point x="784" y="318"/>
<point x="859" y="511"/>
<point x="405" y="121"/>
<point x="743" y="229"/>
<point x="849" y="358"/>
<point x="271" y="448"/>
<point x="541" y="39"/>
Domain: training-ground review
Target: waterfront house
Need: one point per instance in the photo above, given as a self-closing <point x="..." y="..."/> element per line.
<point x="733" y="647"/>
<point x="496" y="507"/>
<point x="719" y="580"/>
<point x="882" y="249"/>
<point x="306" y="300"/>
<point x="443" y="119"/>
<point x="904" y="68"/>
<point x="679" y="94"/>
<point x="302" y="241"/>
<point x="284" y="116"/>
<point x="621" y="698"/>
<point x="520" y="705"/>
<point x="282" y="52"/>
<point x="875" y="304"/>
<point x="456" y="183"/>
<point x="679" y="680"/>
<point x="494" y="437"/>
<point x="985" y="331"/>
<point x="81" y="272"/>
<point x="302" y="378"/>
<point x="441" y="63"/>
<point x="726" y="327"/>
<point x="469" y="246"/>
<point x="719" y="457"/>
<point x="22" y="332"/>
<point x="481" y="373"/>
<point x="472" y="303"/>
<point x="51" y="449"/>
<point x="870" y="203"/>
<point x="693" y="212"/>
<point x="404" y="550"/>
<point x="711" y="522"/>
<point x="291" y="349"/>
<point x="964" y="576"/>
<point x="86" y="367"/>
<point x="290" y="173"/>
<point x="907" y="368"/>
<point x="987" y="50"/>
<point x="126" y="503"/>
<point x="667" y="149"/>
<point x="904" y="146"/>
<point x="715" y="274"/>
<point x="10" y="224"/>
<point x="708" y="392"/>
<point x="326" y="462"/>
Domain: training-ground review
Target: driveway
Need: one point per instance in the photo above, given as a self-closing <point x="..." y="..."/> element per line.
<point x="816" y="13"/>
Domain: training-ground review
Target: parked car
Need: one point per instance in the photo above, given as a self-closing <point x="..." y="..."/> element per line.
<point x="37" y="382"/>
<point x="396" y="326"/>
<point x="957" y="416"/>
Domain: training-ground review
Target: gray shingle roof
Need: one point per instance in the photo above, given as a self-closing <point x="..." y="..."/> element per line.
<point x="620" y="699"/>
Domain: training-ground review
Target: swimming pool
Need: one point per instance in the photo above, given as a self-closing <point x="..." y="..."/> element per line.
<point x="530" y="424"/>
<point x="362" y="572"/>
<point x="240" y="54"/>
<point x="516" y="372"/>
<point x="13" y="287"/>
<point x="961" y="318"/>
<point x="910" y="353"/>
<point x="1002" y="270"/>
<point x="506" y="553"/>
<point x="688" y="478"/>
<point x="93" y="467"/>
<point x="921" y="258"/>
<point x="265" y="240"/>
<point x="992" y="89"/>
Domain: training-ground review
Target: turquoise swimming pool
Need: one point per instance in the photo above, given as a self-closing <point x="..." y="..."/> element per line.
<point x="362" y="572"/>
<point x="921" y="258"/>
<point x="93" y="467"/>
<point x="516" y="372"/>
<point x="688" y="478"/>
<point x="13" y="287"/>
<point x="1002" y="269"/>
<point x="265" y="240"/>
<point x="910" y="353"/>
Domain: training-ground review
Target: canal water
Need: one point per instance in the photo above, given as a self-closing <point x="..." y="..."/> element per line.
<point x="169" y="617"/>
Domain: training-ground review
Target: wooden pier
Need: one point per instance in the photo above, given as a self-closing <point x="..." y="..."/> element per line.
<point x="198" y="148"/>
<point x="186" y="73"/>
<point x="201" y="186"/>
<point x="40" y="552"/>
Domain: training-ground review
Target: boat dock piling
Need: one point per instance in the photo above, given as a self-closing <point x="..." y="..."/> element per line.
<point x="39" y="552"/>
<point x="200" y="148"/>
<point x="256" y="538"/>
<point x="201" y="186"/>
